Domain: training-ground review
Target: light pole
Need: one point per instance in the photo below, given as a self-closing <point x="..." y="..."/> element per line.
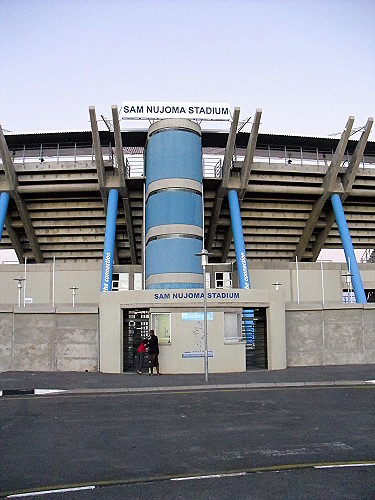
<point x="204" y="261"/>
<point x="19" y="285"/>
<point x="73" y="288"/>
<point x="277" y="285"/>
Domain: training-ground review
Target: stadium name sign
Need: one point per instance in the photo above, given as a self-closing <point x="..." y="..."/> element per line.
<point x="158" y="110"/>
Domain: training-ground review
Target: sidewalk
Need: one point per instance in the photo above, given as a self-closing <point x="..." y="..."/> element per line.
<point x="13" y="383"/>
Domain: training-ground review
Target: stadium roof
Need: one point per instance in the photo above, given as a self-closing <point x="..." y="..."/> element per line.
<point x="59" y="182"/>
<point x="210" y="138"/>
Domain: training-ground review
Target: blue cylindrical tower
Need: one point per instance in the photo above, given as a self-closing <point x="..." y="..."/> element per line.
<point x="173" y="218"/>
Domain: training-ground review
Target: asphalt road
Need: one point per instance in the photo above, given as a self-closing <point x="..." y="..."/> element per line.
<point x="249" y="443"/>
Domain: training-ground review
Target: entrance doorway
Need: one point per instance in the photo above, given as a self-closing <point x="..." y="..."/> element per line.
<point x="256" y="344"/>
<point x="135" y="328"/>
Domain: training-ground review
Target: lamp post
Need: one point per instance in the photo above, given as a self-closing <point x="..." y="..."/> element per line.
<point x="277" y="285"/>
<point x="204" y="261"/>
<point x="19" y="285"/>
<point x="73" y="288"/>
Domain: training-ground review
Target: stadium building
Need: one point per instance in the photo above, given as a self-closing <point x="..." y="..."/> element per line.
<point x="211" y="238"/>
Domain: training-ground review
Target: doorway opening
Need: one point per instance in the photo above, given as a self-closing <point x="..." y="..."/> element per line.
<point x="135" y="328"/>
<point x="254" y="329"/>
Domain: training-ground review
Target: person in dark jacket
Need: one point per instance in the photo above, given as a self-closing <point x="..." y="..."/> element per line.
<point x="153" y="353"/>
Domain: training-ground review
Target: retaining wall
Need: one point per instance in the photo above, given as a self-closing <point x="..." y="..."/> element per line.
<point x="67" y="339"/>
<point x="330" y="335"/>
<point x="49" y="339"/>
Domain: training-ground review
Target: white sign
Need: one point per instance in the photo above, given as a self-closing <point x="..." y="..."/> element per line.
<point x="159" y="110"/>
<point x="197" y="354"/>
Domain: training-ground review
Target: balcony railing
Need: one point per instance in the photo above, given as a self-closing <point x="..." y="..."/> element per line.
<point x="212" y="164"/>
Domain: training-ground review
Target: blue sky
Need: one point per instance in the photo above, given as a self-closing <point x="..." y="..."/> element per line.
<point x="307" y="64"/>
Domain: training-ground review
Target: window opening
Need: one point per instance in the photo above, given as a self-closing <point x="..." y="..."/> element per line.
<point x="232" y="328"/>
<point x="208" y="280"/>
<point x="120" y="281"/>
<point x="138" y="281"/>
<point x="223" y="280"/>
<point x="161" y="324"/>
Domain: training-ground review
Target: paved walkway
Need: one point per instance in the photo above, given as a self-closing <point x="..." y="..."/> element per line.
<point x="13" y="383"/>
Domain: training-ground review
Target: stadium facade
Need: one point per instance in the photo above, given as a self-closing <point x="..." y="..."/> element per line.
<point x="211" y="238"/>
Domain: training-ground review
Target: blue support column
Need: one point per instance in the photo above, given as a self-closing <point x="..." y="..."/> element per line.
<point x="109" y="242"/>
<point x="243" y="271"/>
<point x="239" y="244"/>
<point x="351" y="261"/>
<point x="4" y="200"/>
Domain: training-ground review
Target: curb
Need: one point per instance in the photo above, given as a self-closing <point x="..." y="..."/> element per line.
<point x="182" y="388"/>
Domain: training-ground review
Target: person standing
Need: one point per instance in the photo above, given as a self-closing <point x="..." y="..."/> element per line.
<point x="153" y="353"/>
<point x="140" y="356"/>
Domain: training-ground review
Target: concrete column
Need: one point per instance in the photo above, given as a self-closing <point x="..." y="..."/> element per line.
<point x="109" y="242"/>
<point x="4" y="200"/>
<point x="351" y="261"/>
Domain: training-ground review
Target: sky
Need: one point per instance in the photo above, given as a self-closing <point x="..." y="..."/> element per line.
<point x="308" y="64"/>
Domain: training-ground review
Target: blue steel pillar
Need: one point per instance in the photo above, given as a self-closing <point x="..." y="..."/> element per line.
<point x="109" y="242"/>
<point x="4" y="200"/>
<point x="243" y="271"/>
<point x="351" y="261"/>
<point x="239" y="244"/>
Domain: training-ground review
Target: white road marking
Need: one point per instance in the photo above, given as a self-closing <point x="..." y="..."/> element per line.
<point x="343" y="465"/>
<point x="369" y="381"/>
<point x="48" y="391"/>
<point x="233" y="474"/>
<point x="47" y="492"/>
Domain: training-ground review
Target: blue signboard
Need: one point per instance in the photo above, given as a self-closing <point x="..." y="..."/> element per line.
<point x="197" y="316"/>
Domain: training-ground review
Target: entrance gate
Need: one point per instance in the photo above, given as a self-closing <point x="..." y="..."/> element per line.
<point x="256" y="347"/>
<point x="135" y="328"/>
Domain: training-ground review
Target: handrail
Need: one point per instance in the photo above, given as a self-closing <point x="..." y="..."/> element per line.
<point x="367" y="256"/>
<point x="211" y="163"/>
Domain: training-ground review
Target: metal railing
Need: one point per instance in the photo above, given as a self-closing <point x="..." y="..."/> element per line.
<point x="368" y="256"/>
<point x="212" y="164"/>
<point x="59" y="154"/>
<point x="134" y="166"/>
<point x="300" y="156"/>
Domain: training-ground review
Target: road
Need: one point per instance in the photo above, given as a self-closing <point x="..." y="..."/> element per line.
<point x="248" y="443"/>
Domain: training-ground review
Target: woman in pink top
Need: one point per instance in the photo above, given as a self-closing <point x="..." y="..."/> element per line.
<point x="141" y="354"/>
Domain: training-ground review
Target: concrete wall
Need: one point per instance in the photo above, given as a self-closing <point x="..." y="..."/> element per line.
<point x="263" y="274"/>
<point x="40" y="337"/>
<point x="39" y="285"/>
<point x="330" y="335"/>
<point x="66" y="339"/>
<point x="48" y="339"/>
<point x="86" y="276"/>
